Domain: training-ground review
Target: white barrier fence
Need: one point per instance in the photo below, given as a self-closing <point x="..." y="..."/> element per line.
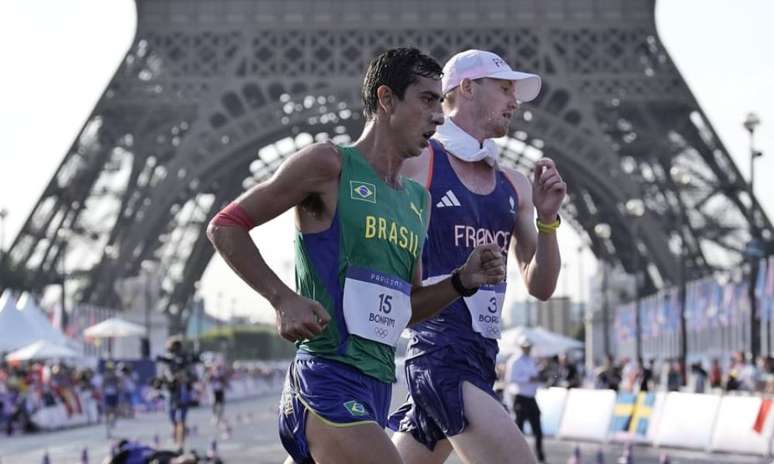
<point x="733" y="431"/>
<point x="685" y="420"/>
<point x="688" y="420"/>
<point x="587" y="414"/>
<point x="57" y="416"/>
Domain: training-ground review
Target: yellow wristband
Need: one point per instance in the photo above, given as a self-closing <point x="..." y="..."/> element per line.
<point x="549" y="228"/>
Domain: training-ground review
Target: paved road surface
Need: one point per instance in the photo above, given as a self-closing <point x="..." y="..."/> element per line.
<point x="254" y="440"/>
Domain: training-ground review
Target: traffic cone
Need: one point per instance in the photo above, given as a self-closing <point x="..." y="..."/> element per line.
<point x="85" y="455"/>
<point x="575" y="457"/>
<point x="46" y="460"/>
<point x="600" y="457"/>
<point x="627" y="457"/>
<point x="664" y="458"/>
<point x="212" y="453"/>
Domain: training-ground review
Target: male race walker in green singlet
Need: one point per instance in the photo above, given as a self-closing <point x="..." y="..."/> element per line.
<point x="361" y="229"/>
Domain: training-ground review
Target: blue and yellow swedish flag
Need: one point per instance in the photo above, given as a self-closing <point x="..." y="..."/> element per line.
<point x="632" y="413"/>
<point x="642" y="412"/>
<point x="623" y="411"/>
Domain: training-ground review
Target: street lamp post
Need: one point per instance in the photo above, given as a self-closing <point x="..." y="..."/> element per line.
<point x="682" y="297"/>
<point x="606" y="310"/>
<point x="682" y="179"/>
<point x="198" y="306"/>
<point x="199" y="315"/>
<point x="603" y="231"/>
<point x="3" y="215"/>
<point x="751" y="122"/>
<point x="148" y="270"/>
<point x="64" y="239"/>
<point x="587" y="314"/>
<point x="635" y="208"/>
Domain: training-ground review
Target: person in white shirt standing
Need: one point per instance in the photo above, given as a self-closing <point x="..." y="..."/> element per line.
<point x="523" y="377"/>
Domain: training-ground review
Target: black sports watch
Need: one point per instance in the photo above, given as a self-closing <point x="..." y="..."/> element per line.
<point x="457" y="284"/>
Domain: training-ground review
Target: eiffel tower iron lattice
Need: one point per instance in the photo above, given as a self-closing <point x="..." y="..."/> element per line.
<point x="206" y="87"/>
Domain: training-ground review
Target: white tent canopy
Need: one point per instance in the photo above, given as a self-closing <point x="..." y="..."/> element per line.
<point x="43" y="330"/>
<point x="16" y="330"/>
<point x="42" y="350"/>
<point x="114" y="327"/>
<point x="544" y="342"/>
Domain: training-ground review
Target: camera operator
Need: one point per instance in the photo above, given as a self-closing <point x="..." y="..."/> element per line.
<point x="178" y="376"/>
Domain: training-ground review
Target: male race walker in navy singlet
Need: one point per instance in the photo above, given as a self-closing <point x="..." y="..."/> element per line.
<point x="450" y="366"/>
<point x="361" y="228"/>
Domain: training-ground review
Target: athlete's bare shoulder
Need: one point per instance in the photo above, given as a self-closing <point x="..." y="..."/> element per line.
<point x="321" y="161"/>
<point x="315" y="171"/>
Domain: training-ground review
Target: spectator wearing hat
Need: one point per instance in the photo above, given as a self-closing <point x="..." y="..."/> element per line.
<point x="523" y="377"/>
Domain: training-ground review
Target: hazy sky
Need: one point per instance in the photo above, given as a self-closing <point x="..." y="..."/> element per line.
<point x="59" y="55"/>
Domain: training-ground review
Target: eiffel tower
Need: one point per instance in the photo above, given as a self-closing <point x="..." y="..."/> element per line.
<point x="212" y="96"/>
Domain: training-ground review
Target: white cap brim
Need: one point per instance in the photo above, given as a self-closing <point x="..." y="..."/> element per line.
<point x="527" y="87"/>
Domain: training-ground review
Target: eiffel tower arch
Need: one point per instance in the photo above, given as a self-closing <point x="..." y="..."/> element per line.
<point x="212" y="96"/>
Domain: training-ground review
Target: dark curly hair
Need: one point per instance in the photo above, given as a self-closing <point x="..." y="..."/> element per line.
<point x="396" y="68"/>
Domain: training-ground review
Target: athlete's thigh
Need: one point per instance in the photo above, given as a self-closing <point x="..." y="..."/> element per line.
<point x="491" y="435"/>
<point x="365" y="443"/>
<point x="414" y="452"/>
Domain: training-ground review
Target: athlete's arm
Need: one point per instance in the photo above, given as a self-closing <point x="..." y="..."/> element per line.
<point x="485" y="265"/>
<point x="537" y="254"/>
<point x="313" y="172"/>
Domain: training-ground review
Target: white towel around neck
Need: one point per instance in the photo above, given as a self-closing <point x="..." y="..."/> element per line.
<point x="463" y="145"/>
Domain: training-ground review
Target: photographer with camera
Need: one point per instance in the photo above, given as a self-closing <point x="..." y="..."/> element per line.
<point x="178" y="376"/>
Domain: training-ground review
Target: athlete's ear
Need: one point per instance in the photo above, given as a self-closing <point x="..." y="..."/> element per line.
<point x="386" y="97"/>
<point x="466" y="88"/>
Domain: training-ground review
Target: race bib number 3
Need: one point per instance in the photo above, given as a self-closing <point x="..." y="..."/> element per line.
<point x="486" y="307"/>
<point x="377" y="306"/>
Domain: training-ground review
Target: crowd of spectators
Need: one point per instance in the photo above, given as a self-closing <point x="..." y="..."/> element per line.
<point x="26" y="388"/>
<point x="739" y="374"/>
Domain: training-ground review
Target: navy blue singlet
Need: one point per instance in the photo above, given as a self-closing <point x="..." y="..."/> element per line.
<point x="460" y="221"/>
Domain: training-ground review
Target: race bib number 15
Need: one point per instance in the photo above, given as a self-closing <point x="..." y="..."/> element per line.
<point x="377" y="306"/>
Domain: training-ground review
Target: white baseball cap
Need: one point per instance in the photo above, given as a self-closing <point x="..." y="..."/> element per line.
<point x="475" y="64"/>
